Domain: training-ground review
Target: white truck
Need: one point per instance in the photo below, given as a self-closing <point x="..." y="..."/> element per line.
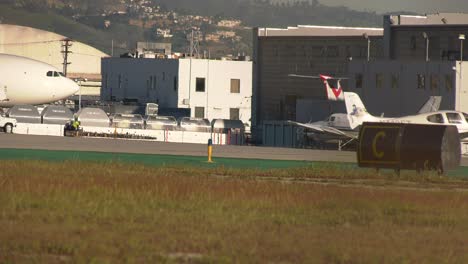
<point x="7" y="124"/>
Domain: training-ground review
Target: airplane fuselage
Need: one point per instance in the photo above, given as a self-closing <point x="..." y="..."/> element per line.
<point x="27" y="81"/>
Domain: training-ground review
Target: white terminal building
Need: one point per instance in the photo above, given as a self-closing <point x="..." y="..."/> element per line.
<point x="212" y="89"/>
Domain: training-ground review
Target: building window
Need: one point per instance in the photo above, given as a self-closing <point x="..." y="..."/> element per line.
<point x="379" y="80"/>
<point x="148" y="88"/>
<point x="349" y="54"/>
<point x="413" y="42"/>
<point x="175" y="83"/>
<point x="434" y="82"/>
<point x="234" y="113"/>
<point x="362" y="51"/>
<point x="421" y="81"/>
<point x="152" y="83"/>
<point x="395" y="81"/>
<point x="200" y="85"/>
<point x="200" y="112"/>
<point x="358" y="77"/>
<point x="448" y="83"/>
<point x="104" y="81"/>
<point x="235" y="85"/>
<point x="434" y="47"/>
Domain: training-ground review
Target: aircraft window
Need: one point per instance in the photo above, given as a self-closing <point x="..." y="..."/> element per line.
<point x="454" y="118"/>
<point x="332" y="119"/>
<point x="465" y="115"/>
<point x="50" y="73"/>
<point x="61" y="74"/>
<point x="436" y="118"/>
<point x="56" y="74"/>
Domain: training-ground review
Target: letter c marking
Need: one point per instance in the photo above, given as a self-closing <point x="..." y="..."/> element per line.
<point x="378" y="154"/>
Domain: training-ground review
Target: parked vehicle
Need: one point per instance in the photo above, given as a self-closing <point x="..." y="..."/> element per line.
<point x="7" y="124"/>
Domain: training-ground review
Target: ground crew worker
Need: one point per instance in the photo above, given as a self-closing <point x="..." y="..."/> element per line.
<point x="76" y="124"/>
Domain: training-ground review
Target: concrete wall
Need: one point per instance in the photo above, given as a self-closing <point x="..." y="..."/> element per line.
<point x="441" y="78"/>
<point x="47" y="46"/>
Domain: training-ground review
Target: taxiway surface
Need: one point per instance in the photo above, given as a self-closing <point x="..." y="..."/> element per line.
<point x="110" y="145"/>
<point x="13" y="141"/>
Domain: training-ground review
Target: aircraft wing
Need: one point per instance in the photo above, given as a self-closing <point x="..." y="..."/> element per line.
<point x="324" y="129"/>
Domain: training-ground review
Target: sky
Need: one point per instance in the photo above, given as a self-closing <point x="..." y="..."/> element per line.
<point x="417" y="6"/>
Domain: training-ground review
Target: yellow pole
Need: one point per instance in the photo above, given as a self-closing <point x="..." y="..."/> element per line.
<point x="210" y="150"/>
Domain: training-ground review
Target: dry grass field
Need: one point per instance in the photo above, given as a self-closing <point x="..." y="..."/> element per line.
<point x="90" y="212"/>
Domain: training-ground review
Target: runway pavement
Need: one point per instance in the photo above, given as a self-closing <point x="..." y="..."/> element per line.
<point x="13" y="141"/>
<point x="109" y="145"/>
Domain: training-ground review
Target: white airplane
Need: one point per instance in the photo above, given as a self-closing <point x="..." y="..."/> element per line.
<point x="346" y="126"/>
<point x="28" y="81"/>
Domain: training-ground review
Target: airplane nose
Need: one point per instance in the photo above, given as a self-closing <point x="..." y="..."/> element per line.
<point x="75" y="87"/>
<point x="70" y="87"/>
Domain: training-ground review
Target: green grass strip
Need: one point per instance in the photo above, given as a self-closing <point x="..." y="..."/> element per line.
<point x="173" y="160"/>
<point x="147" y="159"/>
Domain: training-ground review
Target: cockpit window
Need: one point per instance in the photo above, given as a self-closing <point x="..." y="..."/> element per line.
<point x="54" y="74"/>
<point x="61" y="74"/>
<point x="436" y="118"/>
<point x="454" y="118"/>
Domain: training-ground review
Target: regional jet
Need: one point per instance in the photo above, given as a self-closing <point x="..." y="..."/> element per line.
<point x="28" y="81"/>
<point x="346" y="126"/>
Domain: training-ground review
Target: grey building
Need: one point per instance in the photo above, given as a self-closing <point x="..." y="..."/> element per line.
<point x="424" y="56"/>
<point x="434" y="35"/>
<point x="308" y="50"/>
<point x="394" y="69"/>
<point x="396" y="88"/>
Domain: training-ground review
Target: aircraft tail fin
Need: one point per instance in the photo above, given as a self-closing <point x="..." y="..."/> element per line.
<point x="354" y="104"/>
<point x="431" y="105"/>
<point x="333" y="93"/>
<point x="357" y="112"/>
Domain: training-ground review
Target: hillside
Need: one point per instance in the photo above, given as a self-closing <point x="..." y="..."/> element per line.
<point x="264" y="13"/>
<point x="224" y="25"/>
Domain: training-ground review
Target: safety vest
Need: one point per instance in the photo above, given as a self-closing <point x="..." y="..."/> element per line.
<point x="76" y="124"/>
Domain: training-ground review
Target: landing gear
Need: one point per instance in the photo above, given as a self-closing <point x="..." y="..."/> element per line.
<point x="341" y="144"/>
